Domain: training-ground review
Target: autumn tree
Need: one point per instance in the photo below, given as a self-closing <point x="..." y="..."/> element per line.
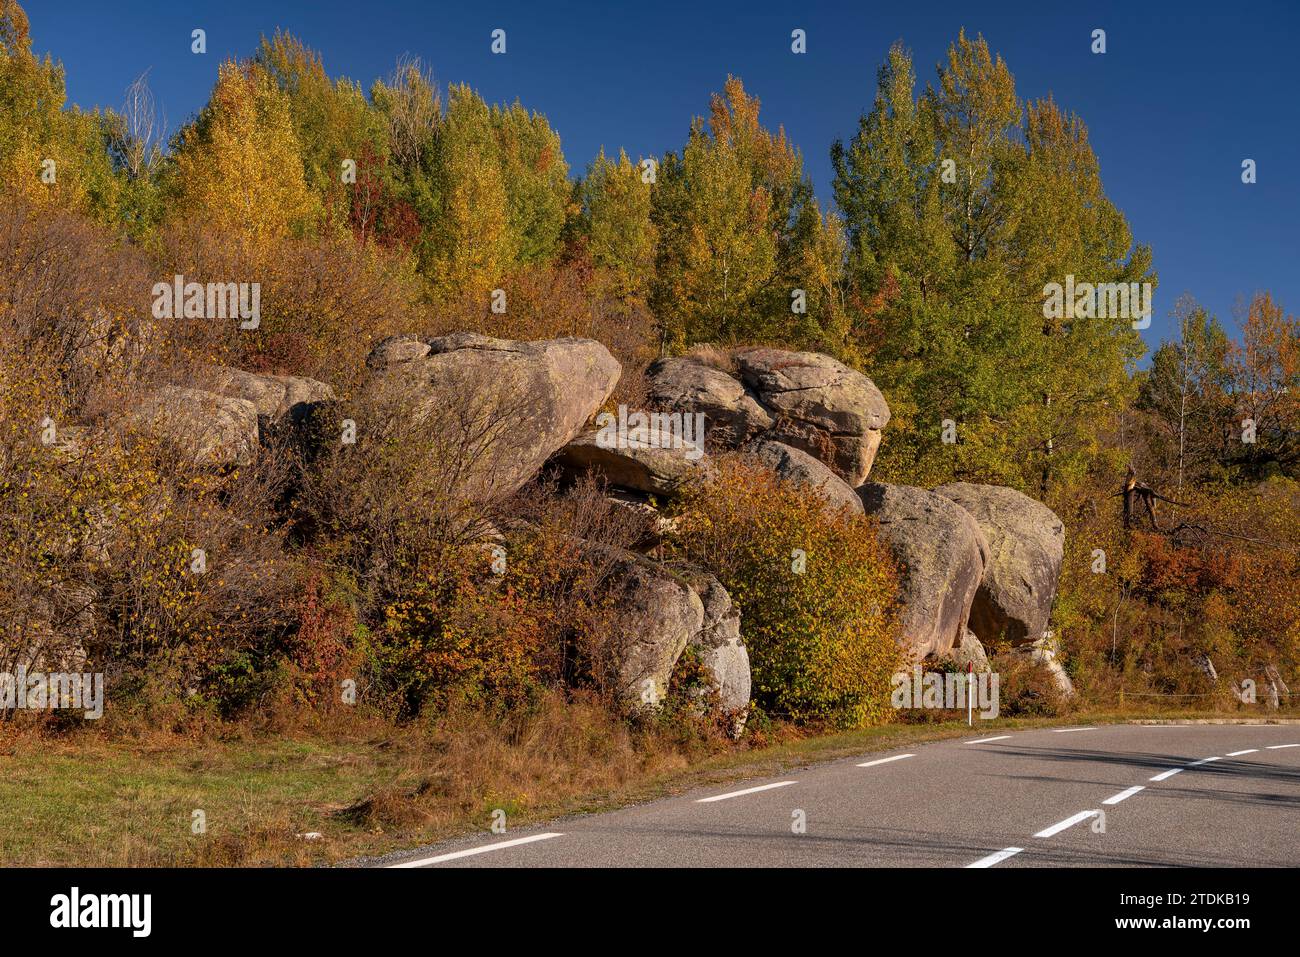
<point x="614" y="221"/>
<point x="734" y="222"/>
<point x="1265" y="370"/>
<point x="238" y="168"/>
<point x="334" y="124"/>
<point x="471" y="246"/>
<point x="1185" y="398"/>
<point x="961" y="204"/>
<point x="48" y="154"/>
<point x="536" y="181"/>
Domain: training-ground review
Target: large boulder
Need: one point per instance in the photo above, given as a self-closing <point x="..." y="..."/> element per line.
<point x="659" y="613"/>
<point x="689" y="384"/>
<point x="798" y="467"/>
<point x="648" y="459"/>
<point x="1026" y="545"/>
<point x="211" y="429"/>
<point x="281" y="400"/>
<point x="941" y="554"/>
<point x="820" y="405"/>
<point x="512" y="404"/>
<point x="719" y="645"/>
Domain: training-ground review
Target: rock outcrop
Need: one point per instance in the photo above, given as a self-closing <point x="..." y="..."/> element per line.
<point x="531" y="398"/>
<point x="941" y="555"/>
<point x="805" y="400"/>
<point x="661" y="612"/>
<point x="211" y="429"/>
<point x="969" y="652"/>
<point x="281" y="401"/>
<point x="1043" y="653"/>
<point x="800" y="468"/>
<point x="649" y="460"/>
<point x="719" y="644"/>
<point x="1026" y="543"/>
<point x="688" y="384"/>
<point x="820" y="405"/>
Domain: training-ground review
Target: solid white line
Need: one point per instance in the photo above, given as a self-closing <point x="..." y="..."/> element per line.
<point x="1060" y="826"/>
<point x="1064" y="730"/>
<point x="1233" y="754"/>
<point x="1166" y="775"/>
<point x="897" y="757"/>
<point x="1277" y="747"/>
<point x="1000" y="737"/>
<point x="732" y="794"/>
<point x="997" y="858"/>
<point x="1122" y="795"/>
<point x="477" y="850"/>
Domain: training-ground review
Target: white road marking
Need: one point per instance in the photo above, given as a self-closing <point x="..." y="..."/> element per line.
<point x="1064" y="730"/>
<point x="1276" y="747"/>
<point x="733" y="794"/>
<point x="1000" y="737"/>
<point x="1070" y="821"/>
<point x="500" y="845"/>
<point x="1166" y="775"/>
<point x="1122" y="795"/>
<point x="897" y="757"/>
<point x="997" y="858"/>
<point x="1234" y="754"/>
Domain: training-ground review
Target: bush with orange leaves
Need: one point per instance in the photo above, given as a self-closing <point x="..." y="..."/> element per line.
<point x="492" y="626"/>
<point x="816" y="593"/>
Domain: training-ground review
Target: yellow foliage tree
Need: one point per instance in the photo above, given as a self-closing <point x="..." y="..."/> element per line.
<point x="472" y="241"/>
<point x="239" y="169"/>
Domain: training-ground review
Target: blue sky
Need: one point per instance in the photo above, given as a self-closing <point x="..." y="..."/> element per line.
<point x="1184" y="93"/>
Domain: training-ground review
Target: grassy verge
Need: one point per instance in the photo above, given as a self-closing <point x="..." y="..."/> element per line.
<point x="91" y="801"/>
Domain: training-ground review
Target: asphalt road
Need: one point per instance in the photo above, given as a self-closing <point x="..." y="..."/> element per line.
<point x="1116" y="795"/>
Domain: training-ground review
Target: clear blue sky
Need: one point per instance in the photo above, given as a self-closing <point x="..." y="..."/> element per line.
<point x="1185" y="92"/>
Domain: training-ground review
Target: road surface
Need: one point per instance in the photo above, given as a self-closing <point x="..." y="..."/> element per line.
<point x="1113" y="795"/>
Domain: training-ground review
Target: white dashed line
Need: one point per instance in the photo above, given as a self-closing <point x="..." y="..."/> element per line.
<point x="733" y="794"/>
<point x="1060" y="826"/>
<point x="1000" y="737"/>
<point x="997" y="858"/>
<point x="1278" y="747"/>
<point x="1123" y="795"/>
<point x="897" y="757"/>
<point x="1235" y="754"/>
<point x="1166" y="775"/>
<point x="1065" y="730"/>
<point x="500" y="845"/>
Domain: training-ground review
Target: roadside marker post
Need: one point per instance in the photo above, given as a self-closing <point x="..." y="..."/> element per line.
<point x="970" y="690"/>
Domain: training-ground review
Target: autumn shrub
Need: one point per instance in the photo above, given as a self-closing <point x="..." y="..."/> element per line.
<point x="816" y="593"/>
<point x="492" y="623"/>
<point x="1026" y="689"/>
<point x="552" y="300"/>
<point x="324" y="302"/>
<point x="122" y="555"/>
<point x="73" y="297"/>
